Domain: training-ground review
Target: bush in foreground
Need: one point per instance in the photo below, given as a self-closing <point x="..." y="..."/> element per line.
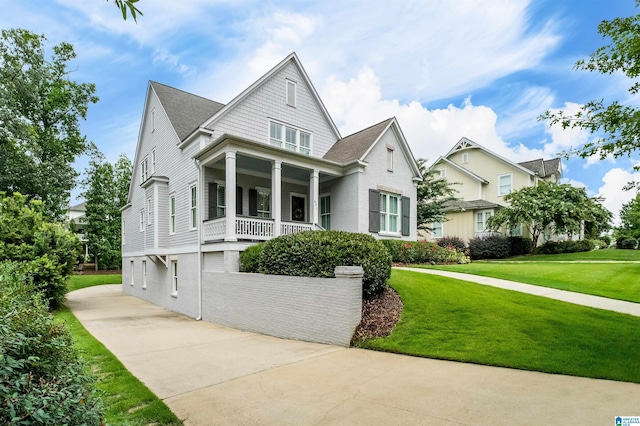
<point x="519" y="246"/>
<point x="626" y="243"/>
<point x="42" y="380"/>
<point x="453" y="242"/>
<point x="490" y="247"/>
<point x="317" y="253"/>
<point x="423" y="252"/>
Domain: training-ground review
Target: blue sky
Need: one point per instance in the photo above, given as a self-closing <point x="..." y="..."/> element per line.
<point x="446" y="69"/>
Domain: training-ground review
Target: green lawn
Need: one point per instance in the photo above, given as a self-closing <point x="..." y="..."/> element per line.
<point x="127" y="401"/>
<point x="455" y="320"/>
<point x="612" y="280"/>
<point x="76" y="282"/>
<point x="611" y="254"/>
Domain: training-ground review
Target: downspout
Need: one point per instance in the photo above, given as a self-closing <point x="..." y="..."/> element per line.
<point x="200" y="202"/>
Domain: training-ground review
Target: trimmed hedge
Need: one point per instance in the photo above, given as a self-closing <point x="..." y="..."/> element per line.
<point x="490" y="247"/>
<point x="557" y="247"/>
<point x="423" y="252"/>
<point x="317" y="253"/>
<point x="42" y="380"/>
<point x="251" y="258"/>
<point x="626" y="243"/>
<point x="454" y="242"/>
<point x="519" y="246"/>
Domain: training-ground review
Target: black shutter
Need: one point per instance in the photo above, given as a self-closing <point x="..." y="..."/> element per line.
<point x="374" y="211"/>
<point x="213" y="200"/>
<point x="239" y="200"/>
<point x="406" y="215"/>
<point x="253" y="202"/>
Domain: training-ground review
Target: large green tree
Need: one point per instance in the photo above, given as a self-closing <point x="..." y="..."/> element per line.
<point x="40" y="113"/>
<point x="433" y="193"/>
<point x="617" y="123"/>
<point x="546" y="205"/>
<point x="629" y="219"/>
<point x="106" y="191"/>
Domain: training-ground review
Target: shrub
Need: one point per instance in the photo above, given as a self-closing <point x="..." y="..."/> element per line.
<point x="607" y="240"/>
<point x="519" y="246"/>
<point x="42" y="380"/>
<point x="423" y="252"/>
<point x="251" y="258"/>
<point x="49" y="251"/>
<point x="491" y="247"/>
<point x="626" y="243"/>
<point x="455" y="242"/>
<point x="557" y="247"/>
<point x="317" y="253"/>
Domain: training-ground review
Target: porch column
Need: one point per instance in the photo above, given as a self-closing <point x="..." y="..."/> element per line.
<point x="276" y="195"/>
<point x="230" y="195"/>
<point x="314" y="196"/>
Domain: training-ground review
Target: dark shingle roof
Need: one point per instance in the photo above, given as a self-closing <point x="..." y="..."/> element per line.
<point x="353" y="147"/>
<point x="185" y="110"/>
<point x="543" y="168"/>
<point x="457" y="205"/>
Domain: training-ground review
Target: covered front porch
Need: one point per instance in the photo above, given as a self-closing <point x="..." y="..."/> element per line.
<point x="255" y="192"/>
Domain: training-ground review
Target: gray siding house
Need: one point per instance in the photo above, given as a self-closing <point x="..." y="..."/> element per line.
<point x="210" y="180"/>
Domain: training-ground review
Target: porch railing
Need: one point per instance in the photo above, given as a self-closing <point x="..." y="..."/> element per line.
<point x="251" y="228"/>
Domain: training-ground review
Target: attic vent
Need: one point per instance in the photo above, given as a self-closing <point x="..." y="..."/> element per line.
<point x="291" y="93"/>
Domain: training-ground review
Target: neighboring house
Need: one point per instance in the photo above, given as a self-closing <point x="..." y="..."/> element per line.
<point x="484" y="178"/>
<point x="77" y="215"/>
<point x="209" y="180"/>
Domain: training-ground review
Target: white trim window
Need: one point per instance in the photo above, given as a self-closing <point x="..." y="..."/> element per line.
<point x="289" y="138"/>
<point x="291" y="93"/>
<point x="505" y="183"/>
<point x="325" y="211"/>
<point x="141" y="220"/>
<point x="172" y="214"/>
<point x="264" y="202"/>
<point x="149" y="211"/>
<point x="144" y="274"/>
<point x="465" y="157"/>
<point x="390" y="213"/>
<point x="442" y="172"/>
<point x="174" y="277"/>
<point x="153" y="120"/>
<point x="153" y="161"/>
<point x="132" y="270"/>
<point x="515" y="231"/>
<point x="389" y="159"/>
<point x="144" y="170"/>
<point x="482" y="216"/>
<point x="437" y="230"/>
<point x="193" y="209"/>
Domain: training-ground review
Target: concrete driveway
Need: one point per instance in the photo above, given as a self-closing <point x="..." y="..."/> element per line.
<point x="211" y="375"/>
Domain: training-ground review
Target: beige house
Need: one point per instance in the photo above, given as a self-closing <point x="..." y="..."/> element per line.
<point x="483" y="179"/>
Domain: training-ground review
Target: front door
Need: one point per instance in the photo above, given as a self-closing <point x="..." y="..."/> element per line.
<point x="297" y="208"/>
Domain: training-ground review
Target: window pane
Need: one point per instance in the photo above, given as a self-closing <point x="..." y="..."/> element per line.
<point x="275" y="134"/>
<point x="383" y="203"/>
<point x="393" y="204"/>
<point x="305" y="143"/>
<point x="393" y="223"/>
<point x="290" y="138"/>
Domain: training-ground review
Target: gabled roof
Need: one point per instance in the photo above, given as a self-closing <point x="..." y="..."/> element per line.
<point x="543" y="168"/>
<point x="355" y="146"/>
<point x="292" y="57"/>
<point x="464" y="144"/>
<point x="78" y="207"/>
<point x="186" y="111"/>
<point x="460" y="168"/>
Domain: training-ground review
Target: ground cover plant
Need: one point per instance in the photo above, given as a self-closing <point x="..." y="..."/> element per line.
<point x="455" y="320"/>
<point x="612" y="280"/>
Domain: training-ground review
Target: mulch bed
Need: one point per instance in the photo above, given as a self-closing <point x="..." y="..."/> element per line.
<point x="99" y="272"/>
<point x="380" y="315"/>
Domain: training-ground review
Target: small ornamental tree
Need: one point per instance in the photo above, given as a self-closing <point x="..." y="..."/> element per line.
<point x="432" y="194"/>
<point x="546" y="204"/>
<point x="47" y="251"/>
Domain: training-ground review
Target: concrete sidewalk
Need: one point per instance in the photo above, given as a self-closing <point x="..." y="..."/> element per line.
<point x="552" y="293"/>
<point x="211" y="375"/>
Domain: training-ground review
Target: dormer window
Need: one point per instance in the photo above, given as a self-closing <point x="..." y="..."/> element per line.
<point x="291" y="93"/>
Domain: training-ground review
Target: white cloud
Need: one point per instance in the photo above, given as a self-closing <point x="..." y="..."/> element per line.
<point x="614" y="180"/>
<point x="358" y="103"/>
